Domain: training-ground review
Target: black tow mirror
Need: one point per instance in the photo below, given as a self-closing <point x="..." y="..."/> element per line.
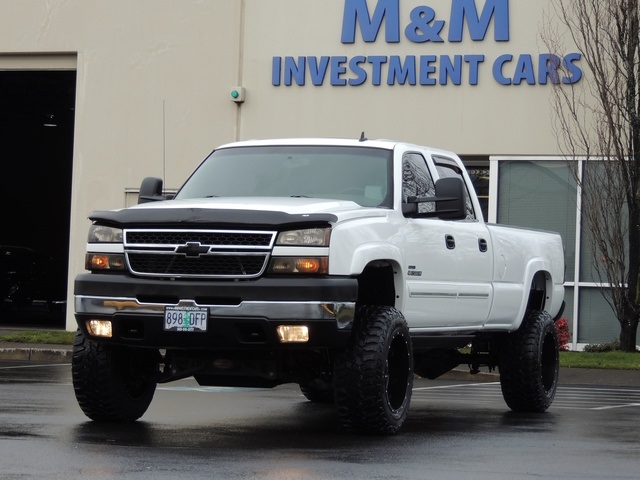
<point x="150" y="190"/>
<point x="449" y="200"/>
<point x="410" y="208"/>
<point x="450" y="203"/>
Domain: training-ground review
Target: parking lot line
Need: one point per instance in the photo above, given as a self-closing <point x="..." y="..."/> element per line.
<point x="567" y="397"/>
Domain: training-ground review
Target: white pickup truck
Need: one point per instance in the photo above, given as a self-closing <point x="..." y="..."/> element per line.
<point x="345" y="266"/>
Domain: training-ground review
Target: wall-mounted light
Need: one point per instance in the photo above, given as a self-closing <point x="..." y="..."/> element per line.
<point x="237" y="94"/>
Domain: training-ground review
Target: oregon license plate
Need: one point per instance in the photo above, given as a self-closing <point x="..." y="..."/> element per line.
<point x="186" y="319"/>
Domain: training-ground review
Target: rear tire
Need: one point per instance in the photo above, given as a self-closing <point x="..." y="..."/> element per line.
<point x="374" y="375"/>
<point x="530" y="364"/>
<point x="317" y="391"/>
<point x="112" y="383"/>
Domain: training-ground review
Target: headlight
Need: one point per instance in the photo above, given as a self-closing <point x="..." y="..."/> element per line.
<point x="102" y="234"/>
<point x="309" y="237"/>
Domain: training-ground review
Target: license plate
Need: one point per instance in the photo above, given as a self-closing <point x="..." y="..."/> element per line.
<point x="186" y="319"/>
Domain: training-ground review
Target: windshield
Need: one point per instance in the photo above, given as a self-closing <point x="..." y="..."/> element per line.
<point x="362" y="175"/>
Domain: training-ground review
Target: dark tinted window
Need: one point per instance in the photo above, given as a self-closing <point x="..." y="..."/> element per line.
<point x="417" y="181"/>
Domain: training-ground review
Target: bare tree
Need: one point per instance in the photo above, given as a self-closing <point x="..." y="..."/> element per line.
<point x="597" y="120"/>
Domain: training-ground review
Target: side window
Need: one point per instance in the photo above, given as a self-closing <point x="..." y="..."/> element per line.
<point x="448" y="168"/>
<point x="417" y="181"/>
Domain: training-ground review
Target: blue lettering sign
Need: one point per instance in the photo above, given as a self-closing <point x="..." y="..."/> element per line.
<point x="474" y="62"/>
<point x="317" y="70"/>
<point x="451" y="70"/>
<point x="575" y="73"/>
<point x="524" y="71"/>
<point x="399" y="73"/>
<point x="427" y="68"/>
<point x="294" y="71"/>
<point x="424" y="25"/>
<point x="337" y="70"/>
<point x="497" y="69"/>
<point x="376" y="61"/>
<point x="548" y="68"/>
<point x="355" y="66"/>
<point x="356" y="12"/>
<point x="420" y="29"/>
<point x="276" y="69"/>
<point x="462" y="10"/>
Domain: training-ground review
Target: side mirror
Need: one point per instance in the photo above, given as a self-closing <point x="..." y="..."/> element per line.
<point x="150" y="190"/>
<point x="449" y="199"/>
<point x="450" y="203"/>
<point x="409" y="209"/>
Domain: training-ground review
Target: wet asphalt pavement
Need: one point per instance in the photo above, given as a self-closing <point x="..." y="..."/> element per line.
<point x="455" y="430"/>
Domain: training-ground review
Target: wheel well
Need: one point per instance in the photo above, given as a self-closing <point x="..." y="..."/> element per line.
<point x="538" y="292"/>
<point x="376" y="285"/>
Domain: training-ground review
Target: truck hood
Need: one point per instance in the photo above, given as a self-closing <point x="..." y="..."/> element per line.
<point x="240" y="211"/>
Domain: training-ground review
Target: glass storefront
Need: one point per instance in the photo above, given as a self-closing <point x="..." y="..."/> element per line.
<point x="542" y="193"/>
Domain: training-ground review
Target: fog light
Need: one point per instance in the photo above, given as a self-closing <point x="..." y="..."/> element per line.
<point x="293" y="333"/>
<point x="99" y="328"/>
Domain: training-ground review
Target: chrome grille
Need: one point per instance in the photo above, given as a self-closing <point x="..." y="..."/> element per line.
<point x="198" y="253"/>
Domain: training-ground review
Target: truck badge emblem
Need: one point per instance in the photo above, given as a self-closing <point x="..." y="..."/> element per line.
<point x="192" y="249"/>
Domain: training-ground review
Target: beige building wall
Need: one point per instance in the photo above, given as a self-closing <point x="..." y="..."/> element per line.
<point x="154" y="80"/>
<point x="481" y="119"/>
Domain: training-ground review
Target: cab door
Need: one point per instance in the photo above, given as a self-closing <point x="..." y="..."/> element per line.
<point x="471" y="243"/>
<point x="430" y="263"/>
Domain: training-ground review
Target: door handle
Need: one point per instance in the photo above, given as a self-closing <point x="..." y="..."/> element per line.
<point x="482" y="245"/>
<point x="450" y="242"/>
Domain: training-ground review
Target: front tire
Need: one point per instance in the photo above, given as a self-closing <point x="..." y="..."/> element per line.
<point x="111" y="383"/>
<point x="530" y="364"/>
<point x="374" y="375"/>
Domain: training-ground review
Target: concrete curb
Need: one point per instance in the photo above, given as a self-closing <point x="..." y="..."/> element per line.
<point x="36" y="354"/>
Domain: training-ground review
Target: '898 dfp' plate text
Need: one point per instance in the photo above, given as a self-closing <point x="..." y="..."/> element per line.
<point x="186" y="319"/>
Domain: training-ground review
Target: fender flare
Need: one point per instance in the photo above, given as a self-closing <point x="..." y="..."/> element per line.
<point x="533" y="267"/>
<point x="370" y="252"/>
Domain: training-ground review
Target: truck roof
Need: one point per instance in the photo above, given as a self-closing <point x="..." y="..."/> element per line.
<point x="342" y="142"/>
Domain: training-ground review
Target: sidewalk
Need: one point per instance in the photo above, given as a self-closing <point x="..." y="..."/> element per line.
<point x="25" y="352"/>
<point x="29" y="352"/>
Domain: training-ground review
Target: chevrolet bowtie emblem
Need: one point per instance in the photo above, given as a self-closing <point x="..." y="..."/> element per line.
<point x="192" y="249"/>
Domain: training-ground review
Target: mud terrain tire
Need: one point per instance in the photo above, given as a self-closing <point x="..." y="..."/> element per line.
<point x="374" y="375"/>
<point x="530" y="363"/>
<point x="111" y="383"/>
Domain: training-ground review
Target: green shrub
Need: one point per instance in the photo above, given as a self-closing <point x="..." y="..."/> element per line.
<point x="611" y="346"/>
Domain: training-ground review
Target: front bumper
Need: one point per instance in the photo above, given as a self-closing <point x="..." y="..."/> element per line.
<point x="242" y="314"/>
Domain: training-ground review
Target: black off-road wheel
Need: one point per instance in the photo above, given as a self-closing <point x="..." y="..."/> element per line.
<point x="112" y="383"/>
<point x="374" y="375"/>
<point x="530" y="364"/>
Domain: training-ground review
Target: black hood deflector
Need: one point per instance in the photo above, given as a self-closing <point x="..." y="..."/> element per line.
<point x="206" y="218"/>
